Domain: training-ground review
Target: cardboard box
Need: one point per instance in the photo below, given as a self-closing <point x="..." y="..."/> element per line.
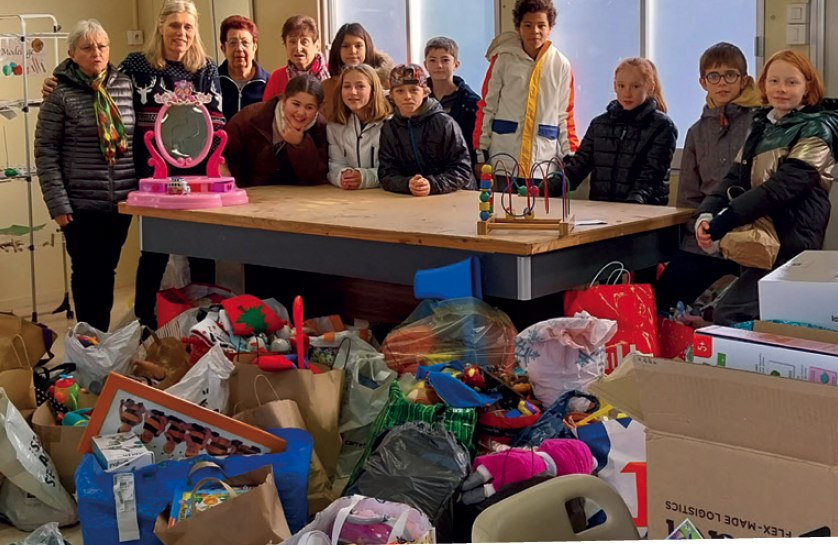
<point x="60" y="442"/>
<point x="121" y="452"/>
<point x="776" y="349"/>
<point x="740" y="454"/>
<point x="803" y="290"/>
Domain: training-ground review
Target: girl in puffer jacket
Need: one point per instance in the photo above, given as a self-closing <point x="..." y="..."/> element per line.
<point x="784" y="172"/>
<point x="628" y="149"/>
<point x="359" y="109"/>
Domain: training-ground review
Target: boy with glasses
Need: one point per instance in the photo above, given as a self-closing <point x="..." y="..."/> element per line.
<point x="711" y="145"/>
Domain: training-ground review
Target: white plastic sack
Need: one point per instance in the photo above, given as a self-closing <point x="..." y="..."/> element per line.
<point x="366" y="386"/>
<point x="93" y="363"/>
<point x="563" y="353"/>
<point x="409" y="525"/>
<point x="208" y="382"/>
<point x="177" y="274"/>
<point x="29" y="469"/>
<point x="47" y="534"/>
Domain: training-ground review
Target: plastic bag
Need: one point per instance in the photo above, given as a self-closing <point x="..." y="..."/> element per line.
<point x="207" y="383"/>
<point x="465" y="329"/>
<point x="366" y="387"/>
<point x="93" y="363"/>
<point x="47" y="534"/>
<point x="563" y="354"/>
<point x="333" y="524"/>
<point x="417" y="465"/>
<point x="28" y="467"/>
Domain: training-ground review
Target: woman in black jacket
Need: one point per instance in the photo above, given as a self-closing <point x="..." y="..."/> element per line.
<point x="85" y="165"/>
<point x="627" y="150"/>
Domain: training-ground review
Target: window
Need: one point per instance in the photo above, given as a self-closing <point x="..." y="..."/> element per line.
<point x="387" y="23"/>
<point x="595" y="34"/>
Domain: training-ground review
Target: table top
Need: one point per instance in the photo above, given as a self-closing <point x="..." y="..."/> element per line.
<point x="447" y="221"/>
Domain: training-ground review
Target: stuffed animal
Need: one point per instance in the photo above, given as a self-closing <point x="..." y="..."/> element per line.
<point x="556" y="457"/>
<point x="166" y="362"/>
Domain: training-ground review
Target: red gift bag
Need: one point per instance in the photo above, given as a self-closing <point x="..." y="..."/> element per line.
<point x="632" y="306"/>
<point x="675" y="338"/>
<point x="173" y="301"/>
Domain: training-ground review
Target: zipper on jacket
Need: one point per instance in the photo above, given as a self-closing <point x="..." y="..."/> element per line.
<point x="372" y="157"/>
<point x="614" y="165"/>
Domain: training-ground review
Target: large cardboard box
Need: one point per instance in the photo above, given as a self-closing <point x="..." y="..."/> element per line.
<point x="771" y="348"/>
<point x="740" y="454"/>
<point x="803" y="290"/>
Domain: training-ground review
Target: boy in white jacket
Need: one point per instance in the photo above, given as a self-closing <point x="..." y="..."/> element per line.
<point x="359" y="109"/>
<point x="527" y="105"/>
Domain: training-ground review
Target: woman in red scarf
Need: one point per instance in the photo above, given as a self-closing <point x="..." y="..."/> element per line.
<point x="302" y="47"/>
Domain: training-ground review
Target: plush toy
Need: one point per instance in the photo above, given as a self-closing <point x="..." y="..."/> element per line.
<point x="131" y="413"/>
<point x="556" y="457"/>
<point x="473" y="378"/>
<point x="249" y="315"/>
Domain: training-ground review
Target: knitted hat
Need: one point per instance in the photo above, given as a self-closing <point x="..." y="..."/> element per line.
<point x="569" y="455"/>
<point x="408" y="74"/>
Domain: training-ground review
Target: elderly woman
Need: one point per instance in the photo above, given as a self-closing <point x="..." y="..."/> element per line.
<point x="83" y="154"/>
<point x="242" y="79"/>
<point x="302" y="47"/>
<point x="174" y="53"/>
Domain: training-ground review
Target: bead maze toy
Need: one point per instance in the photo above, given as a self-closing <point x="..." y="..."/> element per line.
<point x="526" y="187"/>
<point x="182" y="137"/>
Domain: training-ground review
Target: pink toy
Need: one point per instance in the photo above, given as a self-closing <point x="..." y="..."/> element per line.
<point x="182" y="137"/>
<point x="556" y="457"/>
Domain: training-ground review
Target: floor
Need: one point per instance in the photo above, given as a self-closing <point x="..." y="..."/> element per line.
<point x="60" y="324"/>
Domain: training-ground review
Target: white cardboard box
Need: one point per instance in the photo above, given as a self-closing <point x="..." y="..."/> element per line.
<point x="775" y="349"/>
<point x="121" y="452"/>
<point x="803" y="290"/>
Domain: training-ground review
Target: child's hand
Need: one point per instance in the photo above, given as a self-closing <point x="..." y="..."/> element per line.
<point x="291" y="133"/>
<point x="702" y="236"/>
<point x="419" y="186"/>
<point x="350" y="179"/>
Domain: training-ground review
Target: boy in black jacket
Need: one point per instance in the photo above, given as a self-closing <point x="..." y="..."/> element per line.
<point x="454" y="95"/>
<point x="422" y="150"/>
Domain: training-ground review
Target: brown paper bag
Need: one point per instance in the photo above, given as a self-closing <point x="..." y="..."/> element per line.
<point x="286" y="414"/>
<point x="317" y="396"/>
<point x="753" y="245"/>
<point x="32" y="336"/>
<point x="16" y="378"/>
<point x="60" y="442"/>
<point x="254" y="517"/>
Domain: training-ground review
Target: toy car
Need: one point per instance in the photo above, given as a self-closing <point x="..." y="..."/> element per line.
<point x="178" y="186"/>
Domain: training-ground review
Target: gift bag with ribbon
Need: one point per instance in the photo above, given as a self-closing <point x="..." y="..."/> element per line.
<point x="317" y="395"/>
<point x="284" y="413"/>
<point x="37" y="338"/>
<point x="358" y="519"/>
<point x="753" y="245"/>
<point x="632" y="306"/>
<point x="154" y="487"/>
<point x="247" y="517"/>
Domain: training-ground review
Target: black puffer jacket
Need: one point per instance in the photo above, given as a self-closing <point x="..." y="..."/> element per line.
<point x="429" y="143"/>
<point x="627" y="154"/>
<point x="783" y="171"/>
<point x="71" y="168"/>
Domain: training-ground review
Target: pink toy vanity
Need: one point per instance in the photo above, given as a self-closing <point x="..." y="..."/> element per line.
<point x="182" y="137"/>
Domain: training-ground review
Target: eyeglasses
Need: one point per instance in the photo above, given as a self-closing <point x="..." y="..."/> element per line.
<point x="731" y="76"/>
<point x="236" y="43"/>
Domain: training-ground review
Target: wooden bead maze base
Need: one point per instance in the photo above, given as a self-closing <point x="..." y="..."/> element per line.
<point x="563" y="228"/>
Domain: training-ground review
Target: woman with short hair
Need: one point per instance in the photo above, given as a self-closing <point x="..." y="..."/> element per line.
<point x="302" y="47"/>
<point x="242" y="79"/>
<point x="83" y="152"/>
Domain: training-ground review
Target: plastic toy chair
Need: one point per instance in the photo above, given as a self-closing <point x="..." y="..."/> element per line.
<point x="461" y="279"/>
<point x="538" y="514"/>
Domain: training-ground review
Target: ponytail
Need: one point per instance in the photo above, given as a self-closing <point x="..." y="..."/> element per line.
<point x="650" y="76"/>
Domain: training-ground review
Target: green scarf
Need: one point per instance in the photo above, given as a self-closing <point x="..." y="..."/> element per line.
<point x="108" y="118"/>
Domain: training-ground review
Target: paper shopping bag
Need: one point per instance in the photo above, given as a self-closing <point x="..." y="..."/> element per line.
<point x="37" y="339"/>
<point x="60" y="442"/>
<point x="252" y="517"/>
<point x="753" y="245"/>
<point x="317" y="396"/>
<point x="16" y="378"/>
<point x="285" y="413"/>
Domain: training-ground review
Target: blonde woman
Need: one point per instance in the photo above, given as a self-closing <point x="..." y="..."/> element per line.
<point x="173" y="53"/>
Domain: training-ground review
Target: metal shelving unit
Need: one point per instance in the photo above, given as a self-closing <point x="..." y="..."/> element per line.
<point x="25" y="105"/>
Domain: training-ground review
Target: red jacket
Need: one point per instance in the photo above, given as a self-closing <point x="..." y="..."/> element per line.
<point x="250" y="150"/>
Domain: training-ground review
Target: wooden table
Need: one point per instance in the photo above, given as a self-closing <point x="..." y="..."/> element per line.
<point x="376" y="235"/>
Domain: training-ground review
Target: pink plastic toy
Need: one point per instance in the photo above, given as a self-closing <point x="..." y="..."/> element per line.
<point x="182" y="137"/>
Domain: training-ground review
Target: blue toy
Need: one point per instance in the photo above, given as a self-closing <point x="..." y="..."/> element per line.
<point x="461" y="279"/>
